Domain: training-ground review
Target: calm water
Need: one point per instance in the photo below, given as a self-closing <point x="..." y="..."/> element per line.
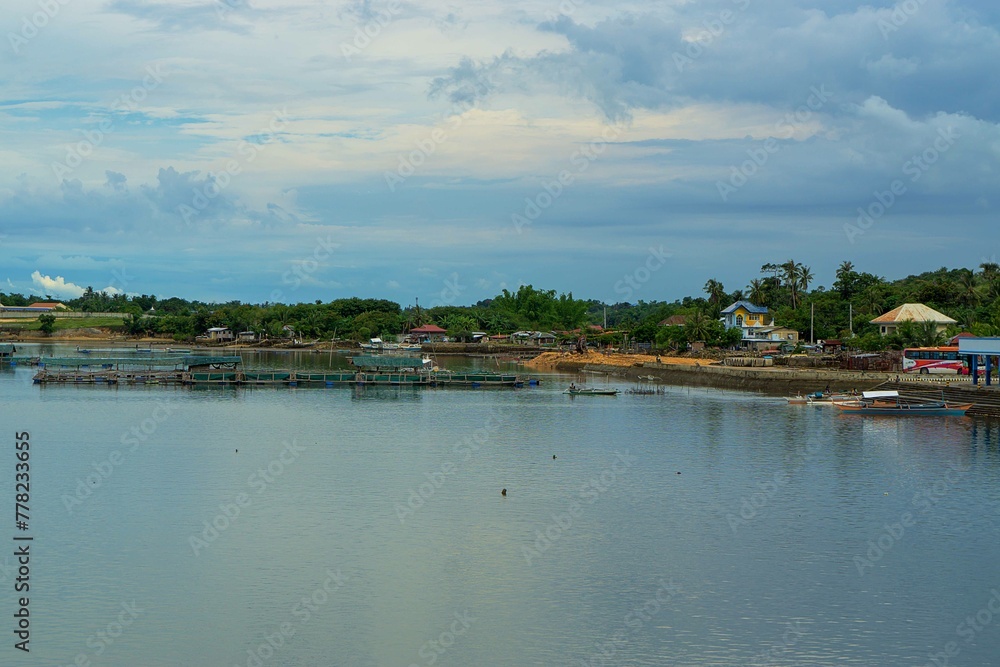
<point x="791" y="536"/>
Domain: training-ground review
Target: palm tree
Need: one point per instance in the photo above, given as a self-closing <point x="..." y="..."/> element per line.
<point x="991" y="272"/>
<point x="757" y="292"/>
<point x="927" y="335"/>
<point x="805" y="277"/>
<point x="871" y="299"/>
<point x="715" y="291"/>
<point x="844" y="269"/>
<point x="791" y="278"/>
<point x="696" y="327"/>
<point x="968" y="291"/>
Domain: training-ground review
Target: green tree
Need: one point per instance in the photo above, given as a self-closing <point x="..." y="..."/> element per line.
<point x="47" y="323"/>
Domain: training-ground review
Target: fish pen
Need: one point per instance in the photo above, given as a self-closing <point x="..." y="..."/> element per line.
<point x="200" y="370"/>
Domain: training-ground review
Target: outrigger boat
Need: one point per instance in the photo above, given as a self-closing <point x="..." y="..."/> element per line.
<point x="891" y="403"/>
<point x="590" y="391"/>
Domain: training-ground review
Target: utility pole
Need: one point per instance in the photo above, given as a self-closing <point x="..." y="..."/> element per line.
<point x="812" y="313"/>
<point x="850" y="311"/>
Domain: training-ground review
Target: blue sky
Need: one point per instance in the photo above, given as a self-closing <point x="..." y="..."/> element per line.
<point x="291" y="151"/>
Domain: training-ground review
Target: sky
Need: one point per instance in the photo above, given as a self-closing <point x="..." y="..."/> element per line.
<point x="263" y="150"/>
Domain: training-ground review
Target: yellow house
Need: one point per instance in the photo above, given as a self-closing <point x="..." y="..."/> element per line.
<point x="745" y="315"/>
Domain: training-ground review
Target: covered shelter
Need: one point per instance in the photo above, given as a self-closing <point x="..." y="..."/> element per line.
<point x="428" y="333"/>
<point x="973" y="349"/>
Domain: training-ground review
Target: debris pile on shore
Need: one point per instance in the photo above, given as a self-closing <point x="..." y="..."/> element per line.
<point x="550" y="360"/>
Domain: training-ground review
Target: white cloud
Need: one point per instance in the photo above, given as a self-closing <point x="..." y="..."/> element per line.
<point x="60" y="287"/>
<point x="57" y="286"/>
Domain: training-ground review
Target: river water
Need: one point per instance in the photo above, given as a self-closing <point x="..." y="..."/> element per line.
<point x="366" y="526"/>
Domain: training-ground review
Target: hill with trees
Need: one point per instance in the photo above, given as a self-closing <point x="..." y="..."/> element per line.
<point x="970" y="296"/>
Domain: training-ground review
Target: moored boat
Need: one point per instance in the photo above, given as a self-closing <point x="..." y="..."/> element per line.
<point x="590" y="391"/>
<point x="891" y="403"/>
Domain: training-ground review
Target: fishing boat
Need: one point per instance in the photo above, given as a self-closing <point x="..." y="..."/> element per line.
<point x="891" y="403"/>
<point x="821" y="398"/>
<point x="590" y="391"/>
<point x="378" y="345"/>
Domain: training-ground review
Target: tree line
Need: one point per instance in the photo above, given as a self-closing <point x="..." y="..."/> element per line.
<point x="844" y="311"/>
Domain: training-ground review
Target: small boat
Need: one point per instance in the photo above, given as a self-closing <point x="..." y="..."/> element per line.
<point x="891" y="403"/>
<point x="821" y="398"/>
<point x="590" y="391"/>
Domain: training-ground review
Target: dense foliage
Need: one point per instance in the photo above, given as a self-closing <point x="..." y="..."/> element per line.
<point x="972" y="297"/>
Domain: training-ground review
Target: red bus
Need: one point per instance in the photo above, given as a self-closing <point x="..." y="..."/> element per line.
<point x="925" y="360"/>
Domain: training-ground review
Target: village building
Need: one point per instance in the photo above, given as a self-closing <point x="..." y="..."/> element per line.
<point x="49" y="305"/>
<point x="427" y="333"/>
<point x="220" y="334"/>
<point x="918" y="313"/>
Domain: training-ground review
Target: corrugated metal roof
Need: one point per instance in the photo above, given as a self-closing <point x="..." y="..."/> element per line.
<point x="749" y="307"/>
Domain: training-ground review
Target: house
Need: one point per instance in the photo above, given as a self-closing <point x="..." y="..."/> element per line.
<point x="7" y="350"/>
<point x="674" y="321"/>
<point x="49" y="305"/>
<point x="766" y="338"/>
<point x="888" y="323"/>
<point x="246" y="336"/>
<point x="219" y="334"/>
<point x="428" y="333"/>
<point x="543" y="338"/>
<point x="831" y="345"/>
<point x="746" y="316"/>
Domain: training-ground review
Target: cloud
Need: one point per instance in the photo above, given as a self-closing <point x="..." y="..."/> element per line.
<point x="56" y="286"/>
<point x="690" y="53"/>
